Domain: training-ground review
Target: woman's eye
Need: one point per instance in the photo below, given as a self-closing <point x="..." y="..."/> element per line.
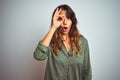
<point x="59" y="18"/>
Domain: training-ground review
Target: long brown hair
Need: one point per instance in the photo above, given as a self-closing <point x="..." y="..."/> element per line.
<point x="56" y="42"/>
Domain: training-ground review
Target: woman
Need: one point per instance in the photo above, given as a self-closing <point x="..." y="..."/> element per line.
<point x="67" y="51"/>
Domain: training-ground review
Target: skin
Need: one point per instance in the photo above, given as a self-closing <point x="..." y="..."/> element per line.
<point x="59" y="20"/>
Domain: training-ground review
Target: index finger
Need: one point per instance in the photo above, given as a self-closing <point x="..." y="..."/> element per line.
<point x="57" y="12"/>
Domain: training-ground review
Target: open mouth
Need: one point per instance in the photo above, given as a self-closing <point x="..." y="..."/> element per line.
<point x="64" y="28"/>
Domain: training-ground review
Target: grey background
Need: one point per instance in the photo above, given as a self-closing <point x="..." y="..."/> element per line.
<point x="23" y="23"/>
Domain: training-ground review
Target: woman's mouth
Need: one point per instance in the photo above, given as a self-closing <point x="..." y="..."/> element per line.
<point x="64" y="28"/>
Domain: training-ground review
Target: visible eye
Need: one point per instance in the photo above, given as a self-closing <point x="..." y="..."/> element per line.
<point x="59" y="18"/>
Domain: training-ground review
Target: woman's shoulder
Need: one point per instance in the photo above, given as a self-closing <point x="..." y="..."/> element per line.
<point x="83" y="39"/>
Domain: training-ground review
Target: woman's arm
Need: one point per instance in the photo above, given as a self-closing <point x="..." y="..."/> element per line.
<point x="41" y="52"/>
<point x="42" y="49"/>
<point x="56" y="23"/>
<point x="87" y="75"/>
<point x="46" y="40"/>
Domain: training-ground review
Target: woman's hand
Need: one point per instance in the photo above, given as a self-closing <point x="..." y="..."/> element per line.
<point x="57" y="19"/>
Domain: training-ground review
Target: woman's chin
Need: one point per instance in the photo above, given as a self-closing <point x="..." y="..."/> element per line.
<point x="65" y="33"/>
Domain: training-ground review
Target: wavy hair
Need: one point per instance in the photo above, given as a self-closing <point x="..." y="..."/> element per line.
<point x="56" y="42"/>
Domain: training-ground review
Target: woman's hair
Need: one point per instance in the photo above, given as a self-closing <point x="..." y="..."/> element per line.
<point x="56" y="42"/>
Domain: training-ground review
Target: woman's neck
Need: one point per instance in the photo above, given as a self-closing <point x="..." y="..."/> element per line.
<point x="66" y="41"/>
<point x="65" y="37"/>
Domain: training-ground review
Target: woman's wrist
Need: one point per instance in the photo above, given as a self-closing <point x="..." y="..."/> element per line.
<point x="54" y="28"/>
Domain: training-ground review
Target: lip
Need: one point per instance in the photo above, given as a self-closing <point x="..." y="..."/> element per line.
<point x="64" y="28"/>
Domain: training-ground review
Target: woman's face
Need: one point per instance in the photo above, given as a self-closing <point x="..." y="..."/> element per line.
<point x="66" y="24"/>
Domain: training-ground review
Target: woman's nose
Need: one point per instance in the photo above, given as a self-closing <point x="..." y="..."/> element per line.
<point x="64" y="21"/>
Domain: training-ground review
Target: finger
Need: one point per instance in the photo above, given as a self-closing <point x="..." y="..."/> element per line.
<point x="56" y="12"/>
<point x="56" y="15"/>
<point x="59" y="10"/>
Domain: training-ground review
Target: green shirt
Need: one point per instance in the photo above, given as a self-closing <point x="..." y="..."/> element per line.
<point x="64" y="66"/>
